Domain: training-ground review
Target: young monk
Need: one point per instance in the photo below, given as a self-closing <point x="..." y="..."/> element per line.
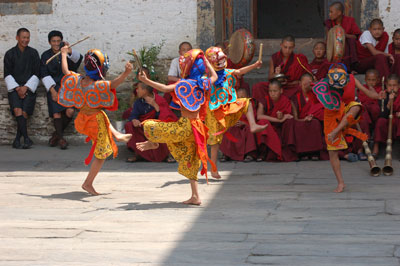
<point x="394" y="50"/>
<point x="187" y="138"/>
<point x="337" y="94"/>
<point x="244" y="148"/>
<point x="371" y="106"/>
<point x="290" y="64"/>
<point x="372" y="50"/>
<point x="382" y="124"/>
<point x="320" y="65"/>
<point x="308" y="113"/>
<point x="224" y="107"/>
<point x="275" y="110"/>
<point x="337" y="17"/>
<point x="148" y="105"/>
<point x="92" y="120"/>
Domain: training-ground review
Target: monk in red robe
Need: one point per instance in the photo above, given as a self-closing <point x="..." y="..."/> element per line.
<point x="337" y="17"/>
<point x="244" y="148"/>
<point x="308" y="113"/>
<point x="290" y="64"/>
<point x="277" y="141"/>
<point x="372" y="50"/>
<point x="149" y="105"/>
<point x="394" y="50"/>
<point x="382" y="125"/>
<point x="320" y="65"/>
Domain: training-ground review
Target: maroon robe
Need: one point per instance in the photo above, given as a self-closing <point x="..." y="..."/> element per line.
<point x="395" y="68"/>
<point x="293" y="68"/>
<point x="308" y="134"/>
<point x="370" y="111"/>
<point x="161" y="153"/>
<point x="245" y="144"/>
<point x="382" y="125"/>
<point x="320" y="69"/>
<point x="279" y="137"/>
<point x="367" y="61"/>
<point x="350" y="27"/>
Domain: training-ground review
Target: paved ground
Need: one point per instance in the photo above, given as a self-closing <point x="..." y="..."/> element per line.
<point x="260" y="213"/>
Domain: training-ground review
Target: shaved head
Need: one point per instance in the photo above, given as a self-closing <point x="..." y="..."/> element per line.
<point x="338" y="5"/>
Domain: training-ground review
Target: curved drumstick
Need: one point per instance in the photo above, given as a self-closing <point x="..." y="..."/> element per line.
<point x="54" y="56"/>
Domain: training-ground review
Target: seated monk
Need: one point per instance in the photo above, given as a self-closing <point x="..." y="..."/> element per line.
<point x="244" y="148"/>
<point x="394" y="50"/>
<point x="149" y="105"/>
<point x="308" y="114"/>
<point x="337" y="17"/>
<point x="320" y="65"/>
<point x="371" y="109"/>
<point x="277" y="140"/>
<point x="372" y="50"/>
<point x="382" y="124"/>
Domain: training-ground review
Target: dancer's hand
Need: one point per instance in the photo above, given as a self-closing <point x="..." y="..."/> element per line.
<point x="128" y="68"/>
<point x="65" y="50"/>
<point x="142" y="77"/>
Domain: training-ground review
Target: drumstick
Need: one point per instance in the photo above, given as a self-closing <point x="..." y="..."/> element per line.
<point x="260" y="54"/>
<point x="137" y="60"/>
<point x="54" y="56"/>
<point x="309" y="72"/>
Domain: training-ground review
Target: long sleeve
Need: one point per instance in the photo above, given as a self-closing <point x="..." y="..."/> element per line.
<point x="8" y="77"/>
<point x="33" y="81"/>
<point x="47" y="79"/>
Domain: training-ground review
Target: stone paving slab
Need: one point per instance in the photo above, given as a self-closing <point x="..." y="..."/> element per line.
<point x="259" y="213"/>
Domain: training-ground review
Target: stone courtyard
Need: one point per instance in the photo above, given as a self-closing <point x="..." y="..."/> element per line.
<point x="259" y="213"/>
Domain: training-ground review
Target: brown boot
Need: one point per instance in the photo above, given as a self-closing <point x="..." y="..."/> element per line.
<point x="63" y="144"/>
<point x="53" y="141"/>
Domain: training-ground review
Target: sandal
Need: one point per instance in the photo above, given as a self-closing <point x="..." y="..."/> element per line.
<point x="248" y="158"/>
<point x="132" y="159"/>
<point x="352" y="157"/>
<point x="362" y="156"/>
<point x="171" y="159"/>
<point x="223" y="158"/>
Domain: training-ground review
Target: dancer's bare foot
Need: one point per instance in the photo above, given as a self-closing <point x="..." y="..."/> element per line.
<point x="340" y="188"/>
<point x="90" y="189"/>
<point x="146" y="145"/>
<point x="332" y="136"/>
<point x="192" y="201"/>
<point x="215" y="175"/>
<point x="254" y="128"/>
<point x="123" y="137"/>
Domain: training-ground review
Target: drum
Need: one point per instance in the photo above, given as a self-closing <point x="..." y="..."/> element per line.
<point x="335" y="47"/>
<point x="241" y="48"/>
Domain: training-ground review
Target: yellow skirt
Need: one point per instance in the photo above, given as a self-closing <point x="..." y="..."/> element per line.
<point x="220" y="120"/>
<point x="180" y="141"/>
<point x="96" y="127"/>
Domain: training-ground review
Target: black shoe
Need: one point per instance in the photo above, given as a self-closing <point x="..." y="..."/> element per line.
<point x="17" y="144"/>
<point x="27" y="143"/>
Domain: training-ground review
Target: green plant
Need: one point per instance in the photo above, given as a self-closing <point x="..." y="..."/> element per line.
<point x="149" y="57"/>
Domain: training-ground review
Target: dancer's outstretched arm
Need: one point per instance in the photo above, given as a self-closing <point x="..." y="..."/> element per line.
<point x="246" y="69"/>
<point x="156" y="85"/>
<point x="118" y="80"/>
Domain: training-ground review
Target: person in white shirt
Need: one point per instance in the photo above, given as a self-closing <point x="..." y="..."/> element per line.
<point x="372" y="50"/>
<point x="174" y="72"/>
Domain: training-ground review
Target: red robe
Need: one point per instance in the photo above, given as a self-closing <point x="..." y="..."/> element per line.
<point x="293" y="67"/>
<point x="395" y="68"/>
<point x="279" y="137"/>
<point x="380" y="62"/>
<point x="350" y="27"/>
<point x="162" y="151"/>
<point x="246" y="141"/>
<point x="308" y="134"/>
<point x="382" y="125"/>
<point x="320" y="69"/>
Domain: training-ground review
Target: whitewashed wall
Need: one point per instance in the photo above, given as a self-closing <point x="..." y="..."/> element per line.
<point x="115" y="26"/>
<point x="389" y="11"/>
